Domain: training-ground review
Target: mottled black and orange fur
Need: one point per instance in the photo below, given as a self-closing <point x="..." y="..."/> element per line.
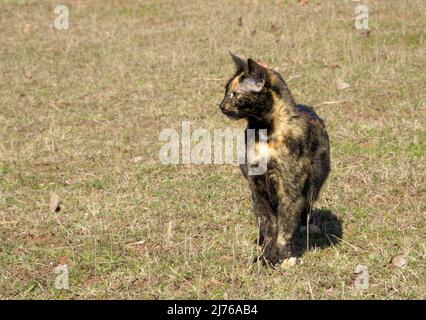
<point x="297" y="152"/>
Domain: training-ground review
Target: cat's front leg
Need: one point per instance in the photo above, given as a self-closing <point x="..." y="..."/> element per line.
<point x="261" y="211"/>
<point x="267" y="223"/>
<point x="270" y="248"/>
<point x="288" y="205"/>
<point x="288" y="220"/>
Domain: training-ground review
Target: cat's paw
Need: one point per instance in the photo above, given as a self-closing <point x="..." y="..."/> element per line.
<point x="289" y="263"/>
<point x="285" y="252"/>
<point x="270" y="255"/>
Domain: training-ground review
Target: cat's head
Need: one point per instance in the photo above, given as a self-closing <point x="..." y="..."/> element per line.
<point x="248" y="93"/>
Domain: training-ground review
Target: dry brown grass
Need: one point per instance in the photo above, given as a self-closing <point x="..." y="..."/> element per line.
<point x="77" y="106"/>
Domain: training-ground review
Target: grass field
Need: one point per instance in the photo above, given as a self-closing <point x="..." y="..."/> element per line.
<point x="80" y="115"/>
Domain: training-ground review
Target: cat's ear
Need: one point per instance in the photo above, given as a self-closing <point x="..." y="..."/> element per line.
<point x="249" y="84"/>
<point x="257" y="71"/>
<point x="239" y="62"/>
<point x="256" y="79"/>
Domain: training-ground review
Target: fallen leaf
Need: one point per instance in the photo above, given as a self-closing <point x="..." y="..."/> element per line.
<point x="365" y="33"/>
<point x="332" y="65"/>
<point x="28" y="28"/>
<point x="54" y="203"/>
<point x="341" y="85"/>
<point x="63" y="260"/>
<point x="28" y="74"/>
<point x="214" y="283"/>
<point x="137" y="159"/>
<point x="398" y="261"/>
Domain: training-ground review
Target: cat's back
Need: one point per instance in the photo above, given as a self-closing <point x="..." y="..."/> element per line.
<point x="308" y="113"/>
<point x="317" y="145"/>
<point x="313" y="121"/>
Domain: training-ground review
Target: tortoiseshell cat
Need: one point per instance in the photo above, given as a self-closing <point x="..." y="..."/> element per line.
<point x="297" y="152"/>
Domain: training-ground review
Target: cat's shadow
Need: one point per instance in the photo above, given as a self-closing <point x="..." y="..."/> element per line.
<point x="327" y="231"/>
